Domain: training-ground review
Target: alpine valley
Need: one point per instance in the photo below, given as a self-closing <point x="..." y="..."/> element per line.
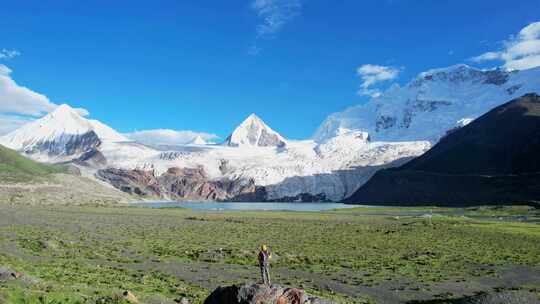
<point x="256" y="163"/>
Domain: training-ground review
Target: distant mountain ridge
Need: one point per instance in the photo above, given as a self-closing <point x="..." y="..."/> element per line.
<point x="494" y="159"/>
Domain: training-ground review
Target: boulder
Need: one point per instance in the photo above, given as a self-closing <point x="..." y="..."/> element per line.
<point x="7" y="274"/>
<point x="259" y="294"/>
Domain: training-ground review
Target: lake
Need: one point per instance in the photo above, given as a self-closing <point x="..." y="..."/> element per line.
<point x="266" y="206"/>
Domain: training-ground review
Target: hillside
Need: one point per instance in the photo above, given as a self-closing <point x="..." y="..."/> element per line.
<point x="14" y="167"/>
<point x="24" y="181"/>
<point x="492" y="160"/>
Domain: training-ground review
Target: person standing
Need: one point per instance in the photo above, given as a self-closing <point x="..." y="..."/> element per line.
<point x="264" y="264"/>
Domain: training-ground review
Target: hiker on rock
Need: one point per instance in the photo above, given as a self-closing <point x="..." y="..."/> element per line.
<point x="264" y="263"/>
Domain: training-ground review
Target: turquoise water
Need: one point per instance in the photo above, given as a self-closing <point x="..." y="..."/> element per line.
<point x="247" y="206"/>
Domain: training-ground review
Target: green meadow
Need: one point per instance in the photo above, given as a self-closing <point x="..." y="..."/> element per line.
<point x="362" y="255"/>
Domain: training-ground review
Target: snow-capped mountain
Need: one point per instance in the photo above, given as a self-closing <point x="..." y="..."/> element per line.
<point x="61" y="135"/>
<point x="433" y="103"/>
<point x="198" y="141"/>
<point x="254" y="132"/>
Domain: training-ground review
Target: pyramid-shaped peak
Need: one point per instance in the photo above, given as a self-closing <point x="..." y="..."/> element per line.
<point x="65" y="112"/>
<point x="253" y="118"/>
<point x="198" y="141"/>
<point x="254" y="132"/>
<point x="65" y="108"/>
<point x="62" y="127"/>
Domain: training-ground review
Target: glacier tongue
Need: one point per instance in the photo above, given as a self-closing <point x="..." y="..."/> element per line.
<point x="433" y="103"/>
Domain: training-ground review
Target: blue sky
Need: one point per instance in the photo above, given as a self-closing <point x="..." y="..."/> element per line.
<point x="206" y="65"/>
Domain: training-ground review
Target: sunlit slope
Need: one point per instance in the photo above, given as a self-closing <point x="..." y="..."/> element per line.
<point x="13" y="166"/>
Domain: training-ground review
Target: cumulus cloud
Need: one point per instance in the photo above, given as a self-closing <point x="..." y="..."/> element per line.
<point x="273" y="16"/>
<point x="21" y="100"/>
<point x="8" y="54"/>
<point x="19" y="104"/>
<point x="372" y="74"/>
<point x="82" y="111"/>
<point x="9" y="123"/>
<point x="168" y="137"/>
<point x="520" y="52"/>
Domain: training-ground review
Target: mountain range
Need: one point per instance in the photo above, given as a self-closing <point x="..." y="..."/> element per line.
<point x="257" y="163"/>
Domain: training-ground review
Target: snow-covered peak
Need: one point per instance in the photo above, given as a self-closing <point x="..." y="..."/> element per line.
<point x="64" y="119"/>
<point x="254" y="132"/>
<point x="64" y="111"/>
<point x="462" y="73"/>
<point x="198" y="141"/>
<point x="458" y="68"/>
<point x="431" y="104"/>
<point x="64" y="122"/>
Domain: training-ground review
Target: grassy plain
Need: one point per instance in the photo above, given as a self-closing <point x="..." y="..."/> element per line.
<point x="375" y="255"/>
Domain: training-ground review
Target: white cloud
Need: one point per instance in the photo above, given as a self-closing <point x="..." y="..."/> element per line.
<point x="9" y="123"/>
<point x="273" y="15"/>
<point x="486" y="57"/>
<point x="254" y="50"/>
<point x="21" y="100"/>
<point x="8" y="54"/>
<point x="372" y="74"/>
<point x="82" y="111"/>
<point x="19" y="104"/>
<point x="4" y="70"/>
<point x="520" y="52"/>
<point x="168" y="137"/>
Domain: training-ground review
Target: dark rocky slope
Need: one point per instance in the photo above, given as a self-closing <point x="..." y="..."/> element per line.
<point x="493" y="160"/>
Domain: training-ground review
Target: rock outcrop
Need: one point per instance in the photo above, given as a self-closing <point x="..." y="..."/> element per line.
<point x="181" y="183"/>
<point x="258" y="294"/>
